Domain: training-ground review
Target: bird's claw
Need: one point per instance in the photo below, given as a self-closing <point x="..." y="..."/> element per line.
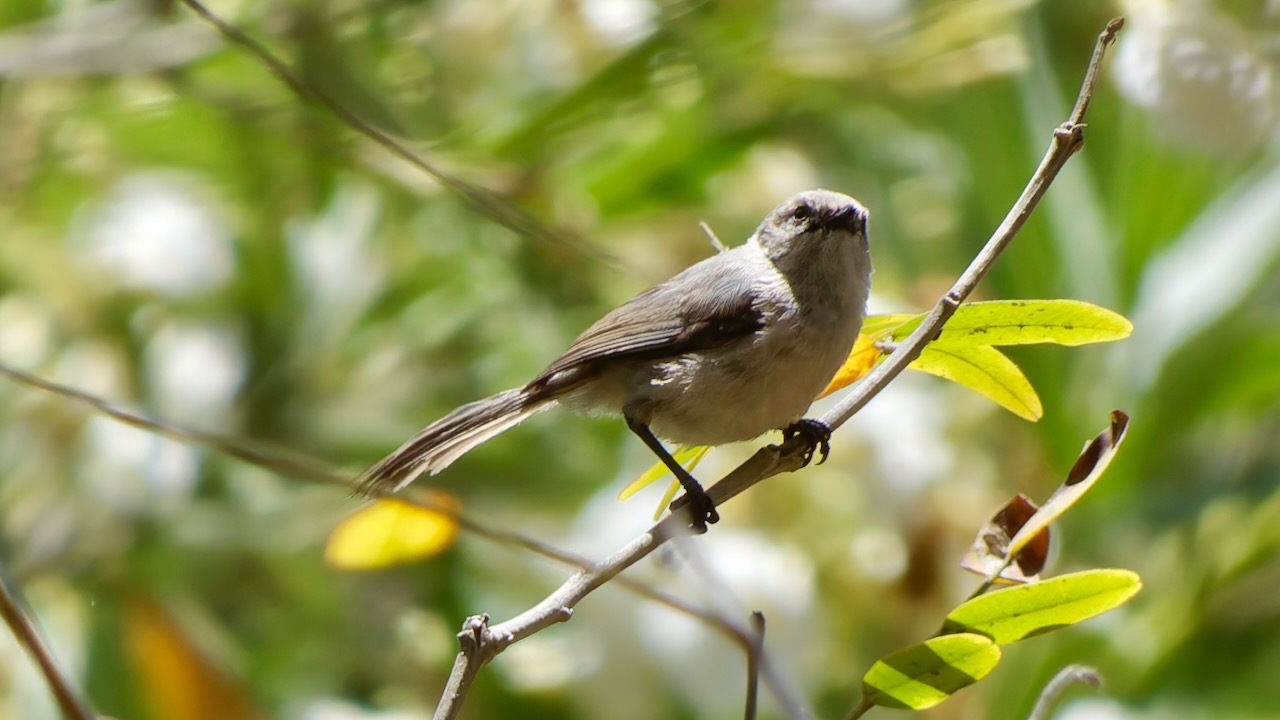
<point x="702" y="509"/>
<point x="815" y="433"/>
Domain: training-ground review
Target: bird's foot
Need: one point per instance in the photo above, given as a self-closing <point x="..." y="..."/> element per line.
<point x="815" y="433"/>
<point x="701" y="508"/>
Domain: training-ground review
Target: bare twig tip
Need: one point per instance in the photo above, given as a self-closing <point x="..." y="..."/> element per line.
<point x="1059" y="683"/>
<point x="473" y="631"/>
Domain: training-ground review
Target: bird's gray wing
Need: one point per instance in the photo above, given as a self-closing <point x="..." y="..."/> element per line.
<point x="706" y="306"/>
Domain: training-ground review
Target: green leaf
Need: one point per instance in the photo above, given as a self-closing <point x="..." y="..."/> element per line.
<point x="924" y="675"/>
<point x="986" y="371"/>
<point x="1027" y="322"/>
<point x="1016" y="613"/>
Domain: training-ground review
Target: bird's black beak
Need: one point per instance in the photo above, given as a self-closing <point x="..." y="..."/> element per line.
<point x="849" y="218"/>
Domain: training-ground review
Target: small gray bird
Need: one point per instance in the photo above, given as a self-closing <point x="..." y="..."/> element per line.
<point x="732" y="347"/>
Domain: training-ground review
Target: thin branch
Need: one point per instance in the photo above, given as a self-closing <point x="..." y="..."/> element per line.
<point x="861" y="709"/>
<point x="275" y="459"/>
<point x="476" y="651"/>
<point x="482" y="200"/>
<point x="480" y="642"/>
<point x="1063" y="679"/>
<point x="69" y="702"/>
<point x="753" y="664"/>
<point x="711" y="235"/>
<point x="558" y="607"/>
<point x="759" y="663"/>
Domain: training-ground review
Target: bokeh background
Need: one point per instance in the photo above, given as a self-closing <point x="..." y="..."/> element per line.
<point x="181" y="234"/>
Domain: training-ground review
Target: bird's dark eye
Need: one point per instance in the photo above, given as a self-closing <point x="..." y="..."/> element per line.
<point x="802" y="212"/>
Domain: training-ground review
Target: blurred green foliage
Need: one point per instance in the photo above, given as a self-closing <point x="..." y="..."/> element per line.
<point x="180" y="232"/>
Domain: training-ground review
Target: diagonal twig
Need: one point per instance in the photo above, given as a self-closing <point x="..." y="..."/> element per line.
<point x="759" y="663"/>
<point x="489" y="640"/>
<point x="69" y="701"/>
<point x="754" y="657"/>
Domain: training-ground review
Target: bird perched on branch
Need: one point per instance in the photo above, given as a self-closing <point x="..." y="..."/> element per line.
<point x="732" y="347"/>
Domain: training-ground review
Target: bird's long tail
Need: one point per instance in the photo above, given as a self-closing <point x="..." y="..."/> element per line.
<point x="447" y="439"/>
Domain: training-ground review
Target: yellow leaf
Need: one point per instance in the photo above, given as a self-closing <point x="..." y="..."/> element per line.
<point x="391" y="532"/>
<point x="1026" y="322"/>
<point x="667" y="497"/>
<point x="861" y="359"/>
<point x="177" y="680"/>
<point x="987" y="372"/>
<point x="689" y="457"/>
<point x="881" y="326"/>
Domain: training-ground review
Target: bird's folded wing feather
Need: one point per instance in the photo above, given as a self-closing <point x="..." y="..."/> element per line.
<point x="670" y="319"/>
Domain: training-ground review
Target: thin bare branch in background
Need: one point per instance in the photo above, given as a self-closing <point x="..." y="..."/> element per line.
<point x="557" y="607"/>
<point x="1058" y="684"/>
<point x="759" y="663"/>
<point x="69" y="701"/>
<point x="483" y="200"/>
<point x="753" y="664"/>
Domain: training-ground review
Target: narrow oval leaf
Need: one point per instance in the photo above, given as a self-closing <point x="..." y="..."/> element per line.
<point x="687" y="455"/>
<point x="1026" y="322"/>
<point x="667" y="497"/>
<point x="1016" y="613"/>
<point x="986" y="371"/>
<point x="924" y="675"/>
<point x="1093" y="461"/>
<point x="391" y="532"/>
<point x="882" y="326"/>
<point x="861" y="359"/>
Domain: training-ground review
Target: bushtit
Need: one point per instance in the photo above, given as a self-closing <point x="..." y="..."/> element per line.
<point x="739" y="344"/>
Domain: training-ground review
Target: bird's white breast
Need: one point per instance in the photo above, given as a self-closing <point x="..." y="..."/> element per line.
<point x="768" y="379"/>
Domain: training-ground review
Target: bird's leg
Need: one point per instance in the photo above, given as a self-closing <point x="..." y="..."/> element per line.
<point x="816" y="433"/>
<point x="704" y="510"/>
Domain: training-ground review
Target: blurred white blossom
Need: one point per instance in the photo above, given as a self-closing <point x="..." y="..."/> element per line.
<point x="156" y="233"/>
<point x="1200" y="75"/>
